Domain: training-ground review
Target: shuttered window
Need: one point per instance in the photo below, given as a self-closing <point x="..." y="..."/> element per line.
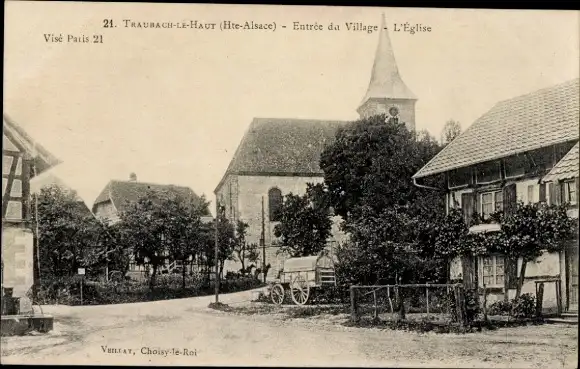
<point x="569" y="194"/>
<point x="542" y="192"/>
<point x="555" y="190"/>
<point x="531" y="199"/>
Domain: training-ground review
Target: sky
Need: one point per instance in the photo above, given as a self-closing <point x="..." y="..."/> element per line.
<point x="172" y="105"/>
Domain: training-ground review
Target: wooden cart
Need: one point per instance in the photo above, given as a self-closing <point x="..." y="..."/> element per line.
<point x="302" y="277"/>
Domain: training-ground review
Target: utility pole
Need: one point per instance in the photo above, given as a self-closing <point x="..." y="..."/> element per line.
<point x="216" y="259"/>
<point x="263" y="242"/>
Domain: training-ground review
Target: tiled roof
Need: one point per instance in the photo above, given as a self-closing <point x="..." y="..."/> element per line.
<point x="542" y="118"/>
<point x="122" y="193"/>
<point x="282" y="146"/>
<point x="43" y="159"/>
<point x="567" y="167"/>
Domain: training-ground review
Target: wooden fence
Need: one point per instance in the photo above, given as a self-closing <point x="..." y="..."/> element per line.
<point x="443" y="303"/>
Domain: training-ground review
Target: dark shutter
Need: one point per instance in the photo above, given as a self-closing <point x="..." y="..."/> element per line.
<point x="555" y="193"/>
<point x="542" y="192"/>
<point x="577" y="189"/>
<point x="509" y="198"/>
<point x="467" y="206"/>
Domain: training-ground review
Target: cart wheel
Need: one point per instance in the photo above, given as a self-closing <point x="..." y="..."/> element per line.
<point x="300" y="291"/>
<point x="277" y="294"/>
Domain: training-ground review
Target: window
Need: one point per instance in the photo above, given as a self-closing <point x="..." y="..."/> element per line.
<point x="493" y="270"/>
<point x="516" y="166"/>
<point x="460" y="177"/>
<point x="531" y="199"/>
<point x="569" y="194"/>
<point x="274" y="204"/>
<point x="488" y="172"/>
<point x="491" y="202"/>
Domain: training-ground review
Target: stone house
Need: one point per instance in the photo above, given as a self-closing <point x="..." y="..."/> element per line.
<point x="118" y="195"/>
<point x="523" y="149"/>
<point x="22" y="159"/>
<point x="277" y="156"/>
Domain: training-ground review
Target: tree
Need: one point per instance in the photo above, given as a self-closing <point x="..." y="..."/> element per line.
<point x="183" y="234"/>
<point x="371" y="163"/>
<point x="305" y="222"/>
<point x="368" y="171"/>
<point x="242" y="250"/>
<point x="144" y="227"/>
<point x="226" y="241"/>
<point x="451" y="130"/>
<point x="530" y="230"/>
<point x="67" y="234"/>
<point x="115" y="253"/>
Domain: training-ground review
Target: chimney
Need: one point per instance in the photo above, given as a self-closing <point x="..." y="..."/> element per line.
<point x="133" y="177"/>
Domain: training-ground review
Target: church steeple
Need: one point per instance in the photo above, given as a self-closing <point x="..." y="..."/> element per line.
<point x="386" y="88"/>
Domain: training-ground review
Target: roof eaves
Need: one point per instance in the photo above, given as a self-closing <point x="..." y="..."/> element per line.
<point x="495" y="157"/>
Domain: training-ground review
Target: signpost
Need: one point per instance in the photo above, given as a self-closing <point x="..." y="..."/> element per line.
<point x="81" y="272"/>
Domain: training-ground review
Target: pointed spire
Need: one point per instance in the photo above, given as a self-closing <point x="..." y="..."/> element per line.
<point x="385" y="80"/>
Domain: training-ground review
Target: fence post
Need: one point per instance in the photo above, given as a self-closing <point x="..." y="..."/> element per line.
<point x="459" y="305"/>
<point x="559" y="296"/>
<point x="427" y="297"/>
<point x="539" y="298"/>
<point x="400" y="300"/>
<point x="484" y="303"/>
<point x="376" y="314"/>
<point x="353" y="305"/>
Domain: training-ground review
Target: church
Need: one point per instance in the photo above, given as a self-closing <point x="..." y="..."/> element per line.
<point x="280" y="156"/>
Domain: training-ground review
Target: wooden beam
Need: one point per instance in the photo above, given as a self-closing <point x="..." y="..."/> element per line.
<point x="6" y="197"/>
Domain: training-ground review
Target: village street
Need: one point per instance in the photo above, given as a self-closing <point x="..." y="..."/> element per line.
<point x="90" y="335"/>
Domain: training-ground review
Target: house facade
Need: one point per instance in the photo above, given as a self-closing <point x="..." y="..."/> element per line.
<point x="279" y="156"/>
<point x="22" y="159"/>
<point x="118" y="195"/>
<point x="513" y="153"/>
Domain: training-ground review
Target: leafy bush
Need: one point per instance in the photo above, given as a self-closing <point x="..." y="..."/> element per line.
<point x="500" y="307"/>
<point x="524" y="306"/>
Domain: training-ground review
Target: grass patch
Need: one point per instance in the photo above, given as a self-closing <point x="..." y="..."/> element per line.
<point x="425" y="325"/>
<point x="312" y="311"/>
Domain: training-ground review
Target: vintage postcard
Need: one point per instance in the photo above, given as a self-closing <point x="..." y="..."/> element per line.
<point x="252" y="185"/>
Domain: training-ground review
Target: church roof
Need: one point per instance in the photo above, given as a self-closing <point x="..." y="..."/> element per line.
<point x="122" y="193"/>
<point x="528" y="122"/>
<point x="43" y="159"/>
<point x="386" y="81"/>
<point x="279" y="146"/>
<point x="567" y="167"/>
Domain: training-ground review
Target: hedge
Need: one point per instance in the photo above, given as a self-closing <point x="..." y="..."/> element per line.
<point x="66" y="290"/>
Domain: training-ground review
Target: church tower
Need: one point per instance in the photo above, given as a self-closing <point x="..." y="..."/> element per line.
<point x="387" y="93"/>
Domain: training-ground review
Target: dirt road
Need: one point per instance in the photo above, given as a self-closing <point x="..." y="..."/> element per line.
<point x="186" y="332"/>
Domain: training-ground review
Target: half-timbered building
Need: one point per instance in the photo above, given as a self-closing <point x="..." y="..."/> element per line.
<point x="523" y="149"/>
<point x="22" y="159"/>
